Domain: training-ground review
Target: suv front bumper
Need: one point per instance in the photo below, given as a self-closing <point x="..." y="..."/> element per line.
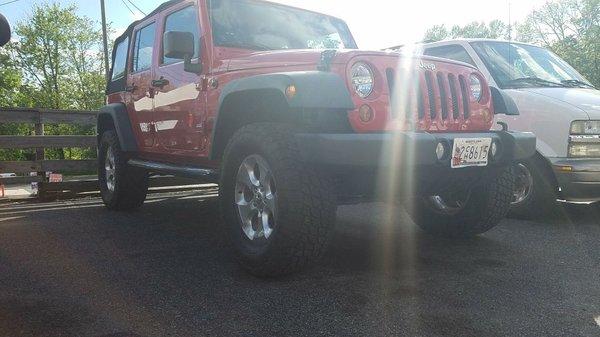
<point x="404" y="149"/>
<point x="578" y="179"/>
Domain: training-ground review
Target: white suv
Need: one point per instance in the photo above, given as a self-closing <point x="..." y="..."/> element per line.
<point x="555" y="102"/>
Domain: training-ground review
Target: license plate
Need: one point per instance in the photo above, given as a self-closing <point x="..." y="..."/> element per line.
<point x="470" y="152"/>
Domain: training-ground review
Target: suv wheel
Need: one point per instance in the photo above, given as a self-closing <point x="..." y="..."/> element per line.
<point x="534" y="192"/>
<point x="279" y="212"/>
<point x="122" y="187"/>
<point x="467" y="213"/>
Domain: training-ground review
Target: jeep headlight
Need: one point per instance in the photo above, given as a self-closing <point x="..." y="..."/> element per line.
<point x="476" y="87"/>
<point x="362" y="79"/>
<point x="585" y="128"/>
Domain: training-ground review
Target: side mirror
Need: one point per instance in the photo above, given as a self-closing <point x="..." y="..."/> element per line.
<point x="503" y="104"/>
<point x="180" y="45"/>
<point x="4" y="31"/>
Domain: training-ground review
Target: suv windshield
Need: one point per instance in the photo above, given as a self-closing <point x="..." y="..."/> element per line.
<point x="254" y="25"/>
<point x="514" y="65"/>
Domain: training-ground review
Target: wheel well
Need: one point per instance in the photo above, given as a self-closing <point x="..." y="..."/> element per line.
<point x="269" y="105"/>
<point x="105" y="122"/>
<point x="243" y="108"/>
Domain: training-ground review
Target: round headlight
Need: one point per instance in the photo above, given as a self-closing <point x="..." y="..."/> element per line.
<point x="362" y="79"/>
<point x="476" y="87"/>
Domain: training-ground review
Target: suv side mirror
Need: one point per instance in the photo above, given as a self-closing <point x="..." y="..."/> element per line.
<point x="503" y="104"/>
<point x="180" y="45"/>
<point x="4" y="31"/>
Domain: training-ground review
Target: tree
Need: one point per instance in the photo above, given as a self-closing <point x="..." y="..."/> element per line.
<point x="57" y="62"/>
<point x="496" y="29"/>
<point x="60" y="53"/>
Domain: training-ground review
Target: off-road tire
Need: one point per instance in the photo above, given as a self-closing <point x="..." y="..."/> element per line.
<point x="541" y="202"/>
<point x="131" y="183"/>
<point x="487" y="205"/>
<point x="305" y="202"/>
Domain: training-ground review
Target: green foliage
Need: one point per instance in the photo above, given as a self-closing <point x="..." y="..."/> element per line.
<point x="570" y="28"/>
<point x="56" y="62"/>
<point x="496" y="29"/>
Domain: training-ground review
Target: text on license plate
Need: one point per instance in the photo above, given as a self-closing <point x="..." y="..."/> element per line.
<point x="470" y="152"/>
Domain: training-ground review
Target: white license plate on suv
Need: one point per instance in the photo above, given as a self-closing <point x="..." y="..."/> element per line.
<point x="470" y="152"/>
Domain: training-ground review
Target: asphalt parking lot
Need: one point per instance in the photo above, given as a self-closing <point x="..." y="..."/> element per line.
<point x="74" y="269"/>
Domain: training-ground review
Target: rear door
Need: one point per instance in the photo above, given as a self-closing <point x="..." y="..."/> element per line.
<point x="179" y="102"/>
<point x="139" y="85"/>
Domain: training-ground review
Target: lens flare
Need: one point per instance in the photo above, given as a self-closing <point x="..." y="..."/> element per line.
<point x="395" y="180"/>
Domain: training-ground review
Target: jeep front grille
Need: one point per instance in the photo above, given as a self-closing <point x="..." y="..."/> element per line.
<point x="439" y="95"/>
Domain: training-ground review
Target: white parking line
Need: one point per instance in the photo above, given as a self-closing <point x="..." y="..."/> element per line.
<point x="597" y="319"/>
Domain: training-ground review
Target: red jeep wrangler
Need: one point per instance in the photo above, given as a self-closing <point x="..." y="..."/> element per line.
<point x="278" y="106"/>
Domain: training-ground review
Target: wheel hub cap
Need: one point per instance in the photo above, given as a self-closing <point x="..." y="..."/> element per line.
<point x="523" y="184"/>
<point x="256" y="198"/>
<point x="110" y="169"/>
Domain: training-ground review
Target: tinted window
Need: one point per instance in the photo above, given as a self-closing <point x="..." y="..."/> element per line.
<point x="258" y="25"/>
<point x="185" y="20"/>
<point x="120" y="61"/>
<point x="453" y="52"/>
<point x="144" y="46"/>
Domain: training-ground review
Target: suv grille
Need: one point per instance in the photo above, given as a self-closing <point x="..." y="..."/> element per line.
<point x="438" y="95"/>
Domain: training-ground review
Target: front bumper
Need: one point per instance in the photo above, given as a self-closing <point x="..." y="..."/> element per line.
<point x="578" y="179"/>
<point x="404" y="149"/>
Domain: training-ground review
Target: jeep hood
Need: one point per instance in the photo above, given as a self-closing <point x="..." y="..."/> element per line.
<point x="586" y="100"/>
<point x="310" y="57"/>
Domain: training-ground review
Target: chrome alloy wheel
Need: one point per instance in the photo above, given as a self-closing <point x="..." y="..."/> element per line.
<point x="110" y="169"/>
<point x="523" y="184"/>
<point x="256" y="198"/>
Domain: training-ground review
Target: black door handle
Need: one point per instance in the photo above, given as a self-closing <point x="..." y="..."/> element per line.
<point x="160" y="82"/>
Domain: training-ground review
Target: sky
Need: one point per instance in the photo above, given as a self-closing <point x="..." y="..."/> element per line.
<point x="376" y="24"/>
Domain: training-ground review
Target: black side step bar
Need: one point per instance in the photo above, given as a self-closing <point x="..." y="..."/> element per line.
<point x="183" y="171"/>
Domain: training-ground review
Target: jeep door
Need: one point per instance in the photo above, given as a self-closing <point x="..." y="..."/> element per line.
<point x="179" y="102"/>
<point x="139" y="84"/>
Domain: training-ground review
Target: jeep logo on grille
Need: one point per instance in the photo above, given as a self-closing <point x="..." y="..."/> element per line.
<point x="427" y="66"/>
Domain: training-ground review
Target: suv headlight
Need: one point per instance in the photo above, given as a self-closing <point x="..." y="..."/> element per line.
<point x="362" y="79"/>
<point x="584" y="140"/>
<point x="585" y="128"/>
<point x="476" y="86"/>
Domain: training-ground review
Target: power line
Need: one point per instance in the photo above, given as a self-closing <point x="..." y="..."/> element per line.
<point x="9" y="2"/>
<point x="124" y="3"/>
<point x="136" y="7"/>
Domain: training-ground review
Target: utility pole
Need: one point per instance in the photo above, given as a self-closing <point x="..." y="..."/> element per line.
<point x="104" y="40"/>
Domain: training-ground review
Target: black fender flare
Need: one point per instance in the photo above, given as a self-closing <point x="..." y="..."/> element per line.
<point x="117" y="114"/>
<point x="315" y="90"/>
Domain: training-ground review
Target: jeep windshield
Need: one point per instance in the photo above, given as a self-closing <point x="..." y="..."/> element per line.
<point x="515" y="65"/>
<point x="254" y="25"/>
